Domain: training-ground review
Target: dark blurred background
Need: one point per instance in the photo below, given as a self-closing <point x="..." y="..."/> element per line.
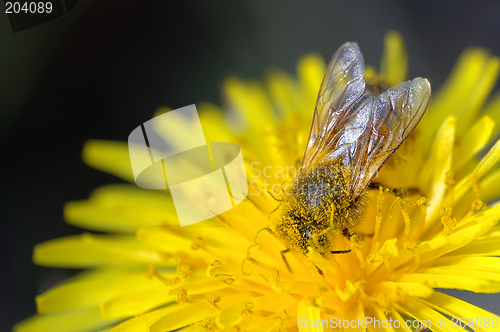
<point x="104" y="68"/>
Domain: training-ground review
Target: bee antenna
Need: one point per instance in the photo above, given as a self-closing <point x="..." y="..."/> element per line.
<point x="276" y="209"/>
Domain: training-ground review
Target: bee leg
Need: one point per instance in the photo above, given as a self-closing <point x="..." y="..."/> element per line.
<point x="414" y="191"/>
<point x="398" y="192"/>
<point x="276" y="209"/>
<point x="275" y="198"/>
<point x="283" y="252"/>
<point x="348" y="235"/>
<point x="335" y="252"/>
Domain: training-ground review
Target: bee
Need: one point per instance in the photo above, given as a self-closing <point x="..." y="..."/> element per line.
<point x="357" y="126"/>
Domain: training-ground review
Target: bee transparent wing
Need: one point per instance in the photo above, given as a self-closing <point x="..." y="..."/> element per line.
<point x="342" y="85"/>
<point x="361" y="130"/>
<point x="390" y="119"/>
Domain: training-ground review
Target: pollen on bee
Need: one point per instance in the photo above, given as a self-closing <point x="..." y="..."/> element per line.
<point x="318" y="208"/>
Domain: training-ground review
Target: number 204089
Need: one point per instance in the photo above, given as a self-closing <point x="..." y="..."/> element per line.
<point x="477" y="322"/>
<point x="28" y="7"/>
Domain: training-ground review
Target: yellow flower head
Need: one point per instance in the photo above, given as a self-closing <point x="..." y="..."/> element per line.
<point x="232" y="273"/>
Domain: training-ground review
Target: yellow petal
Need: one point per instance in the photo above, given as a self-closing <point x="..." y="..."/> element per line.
<point x="473" y="142"/>
<point x="167" y="241"/>
<point x="284" y="94"/>
<point x="487" y="245"/>
<point x="477" y="97"/>
<point x="461" y="282"/>
<point x="211" y="237"/>
<point x="353" y="313"/>
<point x="425" y="315"/>
<point x="249" y="100"/>
<point x="479" y="319"/>
<point x="492" y="109"/>
<point x="161" y="239"/>
<point x="471" y="229"/>
<point x="467" y="231"/>
<point x="481" y="265"/>
<point x="488" y="186"/>
<point x="489" y="161"/>
<point x="232" y="315"/>
<point x="270" y="323"/>
<point x="142" y="322"/>
<point x="122" y="208"/>
<point x="311" y="70"/>
<point x="310" y="313"/>
<point x="482" y="273"/>
<point x="110" y="157"/>
<point x="438" y="165"/>
<point x="136" y="303"/>
<point x="87" y="250"/>
<point x="378" y="315"/>
<point x="203" y="286"/>
<point x="394" y="64"/>
<point x="464" y="92"/>
<point x="402" y="323"/>
<point x="299" y="287"/>
<point x="81" y="294"/>
<point x="195" y="328"/>
<point x="214" y="123"/>
<point x="74" y="321"/>
<point x="185" y="316"/>
<point x="406" y="288"/>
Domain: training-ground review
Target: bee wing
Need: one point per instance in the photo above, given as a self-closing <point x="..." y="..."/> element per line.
<point x="342" y="85"/>
<point x="391" y="119"/>
<point x="361" y="130"/>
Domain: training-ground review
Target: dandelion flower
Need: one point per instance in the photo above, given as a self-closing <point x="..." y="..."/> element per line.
<point x="228" y="273"/>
